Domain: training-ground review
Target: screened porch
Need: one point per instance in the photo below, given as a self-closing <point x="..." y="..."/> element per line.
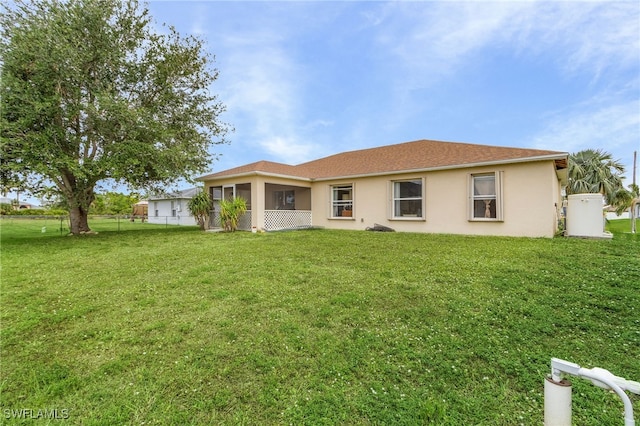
<point x="285" y="206"/>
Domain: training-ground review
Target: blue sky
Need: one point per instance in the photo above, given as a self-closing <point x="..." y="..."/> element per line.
<point x="302" y="80"/>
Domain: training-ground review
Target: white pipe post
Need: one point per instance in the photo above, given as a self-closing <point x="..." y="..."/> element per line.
<point x="557" y="402"/>
<point x="555" y="398"/>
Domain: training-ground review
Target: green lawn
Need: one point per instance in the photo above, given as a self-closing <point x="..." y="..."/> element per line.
<point x="169" y="325"/>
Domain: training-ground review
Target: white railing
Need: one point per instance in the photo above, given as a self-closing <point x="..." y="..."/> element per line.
<point x="275" y="220"/>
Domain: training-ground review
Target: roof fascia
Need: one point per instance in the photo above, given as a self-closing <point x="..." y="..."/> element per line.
<point x="254" y="173"/>
<point x="169" y="198"/>
<point x="450" y="167"/>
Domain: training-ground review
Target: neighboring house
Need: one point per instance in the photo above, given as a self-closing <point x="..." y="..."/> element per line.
<point x="172" y="208"/>
<point x="22" y="205"/>
<point x="611" y="214"/>
<point x="422" y="186"/>
<point x="140" y="210"/>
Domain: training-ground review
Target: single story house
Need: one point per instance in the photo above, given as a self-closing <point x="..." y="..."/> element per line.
<point x="140" y="210"/>
<point x="610" y="213"/>
<point x="17" y="206"/>
<point x="421" y="186"/>
<point x="171" y="209"/>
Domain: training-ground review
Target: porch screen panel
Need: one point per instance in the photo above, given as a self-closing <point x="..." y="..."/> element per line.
<point x="215" y="193"/>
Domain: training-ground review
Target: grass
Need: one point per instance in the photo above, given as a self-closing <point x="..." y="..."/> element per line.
<point x="173" y="326"/>
<point x="621" y="226"/>
<point x="22" y="227"/>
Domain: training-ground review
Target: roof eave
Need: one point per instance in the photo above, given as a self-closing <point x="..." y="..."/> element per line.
<point x="252" y="173"/>
<point x="168" y="198"/>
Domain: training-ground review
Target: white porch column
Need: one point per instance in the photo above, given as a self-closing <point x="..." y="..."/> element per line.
<point x="257" y="203"/>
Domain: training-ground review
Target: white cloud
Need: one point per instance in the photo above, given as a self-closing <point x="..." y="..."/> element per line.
<point x="289" y="150"/>
<point x="264" y="88"/>
<point x="430" y="40"/>
<point x="273" y="56"/>
<point x="263" y="95"/>
<point x="598" y="126"/>
<point x="199" y="23"/>
<point x="590" y="36"/>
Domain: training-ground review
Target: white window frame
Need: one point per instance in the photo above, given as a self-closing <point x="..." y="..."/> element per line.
<point x="497" y="196"/>
<point x="215" y="193"/>
<point x="155" y="208"/>
<point x="421" y="216"/>
<point x="339" y="204"/>
<point x="173" y="208"/>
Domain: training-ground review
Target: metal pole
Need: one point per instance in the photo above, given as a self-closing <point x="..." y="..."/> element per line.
<point x="635" y="158"/>
<point x="632" y="212"/>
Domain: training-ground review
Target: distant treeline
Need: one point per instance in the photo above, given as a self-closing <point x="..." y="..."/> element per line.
<point x="9" y="211"/>
<point x="109" y="203"/>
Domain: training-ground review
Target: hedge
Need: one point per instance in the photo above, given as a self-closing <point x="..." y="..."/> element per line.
<point x="36" y="212"/>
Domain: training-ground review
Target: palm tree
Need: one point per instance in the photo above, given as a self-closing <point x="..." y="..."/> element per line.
<point x="595" y="171"/>
<point x="199" y="206"/>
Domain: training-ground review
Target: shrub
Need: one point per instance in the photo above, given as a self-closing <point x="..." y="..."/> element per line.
<point x="5" y="208"/>
<point x="230" y="212"/>
<point x="37" y="212"/>
<point x="199" y="206"/>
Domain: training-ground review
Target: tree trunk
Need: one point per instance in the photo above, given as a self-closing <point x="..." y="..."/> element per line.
<point x="79" y="197"/>
<point x="78" y="218"/>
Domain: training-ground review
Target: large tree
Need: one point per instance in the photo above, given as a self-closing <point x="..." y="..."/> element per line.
<point x="595" y="171"/>
<point x="93" y="92"/>
<point x="113" y="203"/>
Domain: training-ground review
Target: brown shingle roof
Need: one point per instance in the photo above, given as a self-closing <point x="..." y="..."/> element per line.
<point x="417" y="155"/>
<point x="267" y="167"/>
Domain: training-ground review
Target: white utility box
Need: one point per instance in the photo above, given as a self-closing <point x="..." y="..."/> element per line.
<point x="585" y="217"/>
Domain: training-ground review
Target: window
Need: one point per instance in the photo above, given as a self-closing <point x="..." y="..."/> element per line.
<point x="173" y="208"/>
<point x="407" y="199"/>
<point x="342" y="201"/>
<point x="215" y="193"/>
<point x="155" y="208"/>
<point x="486" y="200"/>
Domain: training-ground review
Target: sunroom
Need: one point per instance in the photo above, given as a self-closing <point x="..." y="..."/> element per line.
<point x="272" y="206"/>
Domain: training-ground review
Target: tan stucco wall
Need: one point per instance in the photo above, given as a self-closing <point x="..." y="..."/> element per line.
<point x="530" y="192"/>
<point x="531" y="199"/>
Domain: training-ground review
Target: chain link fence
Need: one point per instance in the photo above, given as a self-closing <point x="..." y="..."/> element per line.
<point x="46" y="226"/>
